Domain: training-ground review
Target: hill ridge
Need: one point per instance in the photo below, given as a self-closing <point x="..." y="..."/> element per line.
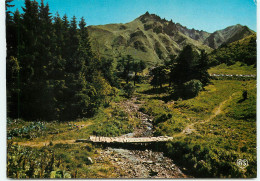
<point x="154" y="39"/>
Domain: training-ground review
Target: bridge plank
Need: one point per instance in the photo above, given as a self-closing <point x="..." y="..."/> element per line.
<point x="97" y="139"/>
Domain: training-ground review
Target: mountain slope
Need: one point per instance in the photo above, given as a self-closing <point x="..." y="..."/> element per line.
<point x="243" y="50"/>
<point x="148" y="38"/>
<point x="227" y="35"/>
<point x="153" y="39"/>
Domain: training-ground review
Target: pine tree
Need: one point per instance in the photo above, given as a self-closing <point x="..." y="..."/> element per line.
<point x="51" y="70"/>
<point x="13" y="26"/>
<point x="7" y="12"/>
<point x="65" y="31"/>
<point x="138" y="67"/>
<point x="201" y="69"/>
<point x="189" y="73"/>
<point x="44" y="65"/>
<point x="183" y="70"/>
<point x="28" y="60"/>
<point x="160" y="76"/>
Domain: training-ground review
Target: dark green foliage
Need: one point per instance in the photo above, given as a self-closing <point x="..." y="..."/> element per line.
<point x="205" y="163"/>
<point x="243" y="51"/>
<point x="138" y="66"/>
<point x="184" y="69"/>
<point x="125" y="65"/>
<point x="201" y="69"/>
<point x="244" y="95"/>
<point x="189" y="73"/>
<point x="162" y="118"/>
<point x="186" y="74"/>
<point x="191" y="88"/>
<point x="190" y="65"/>
<point x="51" y="71"/>
<point x="33" y="130"/>
<point x="160" y="76"/>
<point x="108" y="68"/>
<point x="113" y="128"/>
<point x="129" y="89"/>
<point x="29" y="163"/>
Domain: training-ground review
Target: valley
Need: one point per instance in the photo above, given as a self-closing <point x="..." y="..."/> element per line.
<point x="149" y="98"/>
<point x="192" y="121"/>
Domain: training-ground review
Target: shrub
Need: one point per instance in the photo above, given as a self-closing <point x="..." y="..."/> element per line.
<point x="129" y="89"/>
<point x="163" y="118"/>
<point x="191" y="88"/>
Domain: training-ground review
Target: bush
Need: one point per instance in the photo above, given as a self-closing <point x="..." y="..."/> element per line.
<point x="162" y="118"/>
<point x="129" y="89"/>
<point x="191" y="88"/>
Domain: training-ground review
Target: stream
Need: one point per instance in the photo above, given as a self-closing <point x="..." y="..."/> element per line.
<point x="139" y="163"/>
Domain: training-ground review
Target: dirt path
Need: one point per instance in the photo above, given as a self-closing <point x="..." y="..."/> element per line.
<point x="44" y="143"/>
<point x="190" y="128"/>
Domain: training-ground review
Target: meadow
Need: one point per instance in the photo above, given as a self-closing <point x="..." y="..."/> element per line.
<point x="211" y="132"/>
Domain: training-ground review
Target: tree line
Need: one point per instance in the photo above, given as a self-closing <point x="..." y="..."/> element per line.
<point x="186" y="74"/>
<point x="52" y="73"/>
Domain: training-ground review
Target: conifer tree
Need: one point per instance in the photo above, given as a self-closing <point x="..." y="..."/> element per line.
<point x="202" y="68"/>
<point x="52" y="73"/>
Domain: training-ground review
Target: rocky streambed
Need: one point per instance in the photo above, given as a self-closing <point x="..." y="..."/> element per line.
<point x="139" y="163"/>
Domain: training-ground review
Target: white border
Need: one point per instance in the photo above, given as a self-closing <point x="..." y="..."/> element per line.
<point x="2" y="93"/>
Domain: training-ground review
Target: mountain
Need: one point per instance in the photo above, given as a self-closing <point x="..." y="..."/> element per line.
<point x="227" y="35"/>
<point x="243" y="50"/>
<point x="200" y="36"/>
<point x="153" y="39"/>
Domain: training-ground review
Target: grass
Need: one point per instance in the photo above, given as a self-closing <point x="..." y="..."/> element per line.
<point x="220" y="139"/>
<point x="237" y="68"/>
<point x="211" y="150"/>
<point x="110" y="121"/>
<point x="58" y="161"/>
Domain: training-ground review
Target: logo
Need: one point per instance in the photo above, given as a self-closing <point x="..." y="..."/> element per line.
<point x="242" y="163"/>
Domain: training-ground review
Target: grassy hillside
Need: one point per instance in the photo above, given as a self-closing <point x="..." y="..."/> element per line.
<point x="153" y="39"/>
<point x="237" y="68"/>
<point x="147" y="38"/>
<point x="243" y="51"/>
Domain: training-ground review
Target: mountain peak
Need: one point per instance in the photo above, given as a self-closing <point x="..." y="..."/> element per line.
<point x="150" y="17"/>
<point x="152" y="39"/>
<point x="228" y="35"/>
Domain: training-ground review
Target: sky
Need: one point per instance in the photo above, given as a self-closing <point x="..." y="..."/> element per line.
<point x="207" y="15"/>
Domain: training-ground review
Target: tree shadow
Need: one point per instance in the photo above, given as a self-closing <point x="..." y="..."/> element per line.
<point x="153" y="91"/>
<point x="164" y="98"/>
<point x="241" y="100"/>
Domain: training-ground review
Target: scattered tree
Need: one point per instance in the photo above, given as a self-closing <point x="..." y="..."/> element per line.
<point x="138" y="67"/>
<point x="129" y="90"/>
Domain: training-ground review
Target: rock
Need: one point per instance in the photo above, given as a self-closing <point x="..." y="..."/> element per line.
<point x="90" y="161"/>
<point x="153" y="173"/>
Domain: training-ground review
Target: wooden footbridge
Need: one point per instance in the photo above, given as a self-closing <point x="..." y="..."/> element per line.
<point x="107" y="140"/>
